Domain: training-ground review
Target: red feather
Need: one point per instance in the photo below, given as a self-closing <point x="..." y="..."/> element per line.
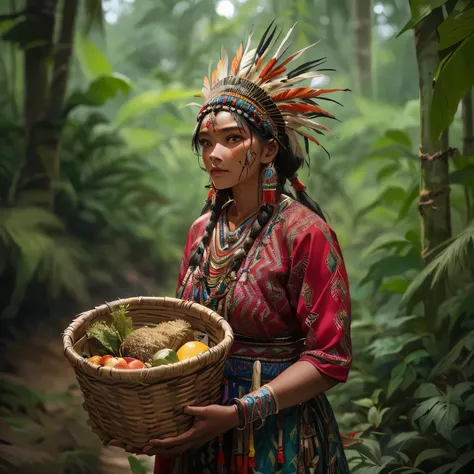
<point x="298" y="108"/>
<point x="267" y="68"/>
<point x="302" y="93"/>
<point x="275" y="73"/>
<point x="237" y="59"/>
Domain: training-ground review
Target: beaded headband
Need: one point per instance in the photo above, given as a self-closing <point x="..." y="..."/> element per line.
<point x="265" y="93"/>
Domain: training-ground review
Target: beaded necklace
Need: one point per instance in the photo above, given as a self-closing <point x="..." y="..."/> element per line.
<point x="212" y="280"/>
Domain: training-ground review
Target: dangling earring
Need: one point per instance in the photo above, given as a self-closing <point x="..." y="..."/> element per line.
<point x="269" y="184"/>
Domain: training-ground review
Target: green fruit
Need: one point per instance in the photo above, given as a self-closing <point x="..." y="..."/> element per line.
<point x="164" y="357"/>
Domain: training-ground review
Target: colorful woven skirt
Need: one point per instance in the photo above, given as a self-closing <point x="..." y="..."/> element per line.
<point x="299" y="440"/>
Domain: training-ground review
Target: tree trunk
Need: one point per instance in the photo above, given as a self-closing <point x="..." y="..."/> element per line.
<point x="57" y="93"/>
<point x="41" y="16"/>
<point x="362" y="14"/>
<point x="47" y="122"/>
<point x="468" y="146"/>
<point x="434" y="202"/>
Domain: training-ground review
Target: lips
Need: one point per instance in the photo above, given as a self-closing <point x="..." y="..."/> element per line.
<point x="217" y="172"/>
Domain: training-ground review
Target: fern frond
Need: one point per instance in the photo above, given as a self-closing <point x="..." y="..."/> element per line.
<point x="452" y="262"/>
<point x="33" y="238"/>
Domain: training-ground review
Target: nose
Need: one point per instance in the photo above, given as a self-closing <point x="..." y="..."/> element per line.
<point x="215" y="155"/>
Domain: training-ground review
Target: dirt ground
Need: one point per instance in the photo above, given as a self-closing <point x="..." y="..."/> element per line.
<point x="43" y="366"/>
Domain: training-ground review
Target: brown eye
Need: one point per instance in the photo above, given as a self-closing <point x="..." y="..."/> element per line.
<point x="234" y="138"/>
<point x="204" y="143"/>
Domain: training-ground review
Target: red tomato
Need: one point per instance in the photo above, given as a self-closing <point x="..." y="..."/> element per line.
<point x="136" y="364"/>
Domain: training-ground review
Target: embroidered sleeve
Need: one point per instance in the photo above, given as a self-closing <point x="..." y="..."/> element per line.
<point x="319" y="291"/>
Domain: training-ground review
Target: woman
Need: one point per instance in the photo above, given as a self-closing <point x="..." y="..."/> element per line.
<point x="273" y="268"/>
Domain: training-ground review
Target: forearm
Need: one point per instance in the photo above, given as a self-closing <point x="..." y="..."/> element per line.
<point x="299" y="383"/>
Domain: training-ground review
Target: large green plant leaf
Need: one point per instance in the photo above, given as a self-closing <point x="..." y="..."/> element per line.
<point x="455" y="78"/>
<point x="456" y="27"/>
<point x="100" y="90"/>
<point x="93" y="63"/>
<point x="146" y="101"/>
<point x="420" y="9"/>
<point x="388" y="197"/>
<point x="402" y="440"/>
<point x="430" y="454"/>
<point x="440" y="411"/>
<point x="390" y="345"/>
<point x="140" y="139"/>
<point x="391" y="266"/>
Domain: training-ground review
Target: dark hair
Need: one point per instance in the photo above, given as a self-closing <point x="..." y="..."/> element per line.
<point x="287" y="163"/>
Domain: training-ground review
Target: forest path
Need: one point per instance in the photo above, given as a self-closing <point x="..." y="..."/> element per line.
<point x="39" y="362"/>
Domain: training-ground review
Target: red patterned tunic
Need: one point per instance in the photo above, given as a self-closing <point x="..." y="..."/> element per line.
<point x="292" y="283"/>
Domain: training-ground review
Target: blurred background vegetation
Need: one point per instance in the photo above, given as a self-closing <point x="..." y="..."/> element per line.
<point x="99" y="185"/>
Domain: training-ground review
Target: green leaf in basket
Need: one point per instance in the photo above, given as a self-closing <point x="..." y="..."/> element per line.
<point x="123" y="323"/>
<point x="106" y="335"/>
<point x="137" y="467"/>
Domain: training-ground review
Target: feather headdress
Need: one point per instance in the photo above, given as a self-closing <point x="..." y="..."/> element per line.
<point x="262" y="86"/>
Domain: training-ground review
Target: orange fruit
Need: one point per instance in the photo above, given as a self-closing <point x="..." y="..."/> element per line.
<point x="191" y="349"/>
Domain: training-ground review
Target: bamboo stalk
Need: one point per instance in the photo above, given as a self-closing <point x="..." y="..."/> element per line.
<point x="468" y="145"/>
<point x="434" y="202"/>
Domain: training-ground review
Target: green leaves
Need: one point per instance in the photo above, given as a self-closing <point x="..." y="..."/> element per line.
<point x="146" y="101"/>
<point x="38" y="247"/>
<point x="454" y="79"/>
<point x="93" y="63"/>
<point x="458" y="26"/>
<point x="439" y="410"/>
<point x="450" y="263"/>
<point x="420" y="9"/>
<point x="430" y="454"/>
<point x="100" y="90"/>
<point x="390" y="345"/>
<point x="391" y="266"/>
<point x="455" y="75"/>
<point x="140" y="139"/>
<point x="137" y="466"/>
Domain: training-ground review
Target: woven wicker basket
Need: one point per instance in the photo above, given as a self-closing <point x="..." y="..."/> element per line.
<point x="134" y="406"/>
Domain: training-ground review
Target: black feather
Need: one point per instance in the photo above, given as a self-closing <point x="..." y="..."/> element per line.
<point x="306" y="145"/>
<point x="305" y="67"/>
<point x="259" y="47"/>
<point x="330" y="100"/>
<point x="263" y="39"/>
<point x="313" y="102"/>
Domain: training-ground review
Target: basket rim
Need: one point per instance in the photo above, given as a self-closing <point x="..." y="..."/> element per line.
<point x="153" y="374"/>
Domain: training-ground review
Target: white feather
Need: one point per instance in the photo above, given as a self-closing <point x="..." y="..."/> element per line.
<point x="296" y="122"/>
<point x="284" y="43"/>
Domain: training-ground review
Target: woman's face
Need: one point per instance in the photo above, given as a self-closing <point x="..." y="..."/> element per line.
<point x="230" y="153"/>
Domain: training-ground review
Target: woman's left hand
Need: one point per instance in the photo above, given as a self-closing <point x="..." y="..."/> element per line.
<point x="210" y="422"/>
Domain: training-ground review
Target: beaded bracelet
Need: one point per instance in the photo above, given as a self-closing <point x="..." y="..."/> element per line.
<point x="256" y="406"/>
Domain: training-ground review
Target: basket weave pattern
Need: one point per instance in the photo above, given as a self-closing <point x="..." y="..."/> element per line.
<point x="134" y="406"/>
